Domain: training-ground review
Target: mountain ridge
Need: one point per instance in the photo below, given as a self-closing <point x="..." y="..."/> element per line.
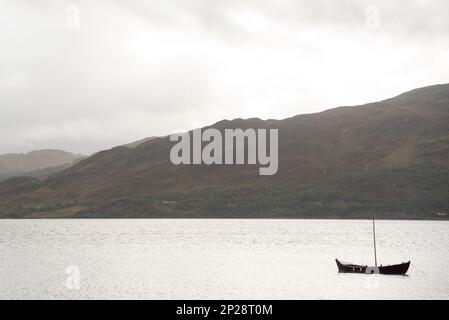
<point x="389" y="158"/>
<point x="36" y="163"/>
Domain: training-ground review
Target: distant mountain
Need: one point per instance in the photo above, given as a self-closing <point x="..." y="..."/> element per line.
<point x="38" y="163"/>
<point x="389" y="158"/>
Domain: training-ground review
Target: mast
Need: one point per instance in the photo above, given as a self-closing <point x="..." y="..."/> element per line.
<point x="374" y="235"/>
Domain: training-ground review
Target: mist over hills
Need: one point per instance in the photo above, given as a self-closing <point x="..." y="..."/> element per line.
<point x="389" y="158"/>
<point x="36" y="163"/>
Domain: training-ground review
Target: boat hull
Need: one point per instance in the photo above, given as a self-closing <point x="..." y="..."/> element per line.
<point x="394" y="269"/>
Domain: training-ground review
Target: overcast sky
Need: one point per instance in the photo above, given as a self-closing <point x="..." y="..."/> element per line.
<point x="89" y="75"/>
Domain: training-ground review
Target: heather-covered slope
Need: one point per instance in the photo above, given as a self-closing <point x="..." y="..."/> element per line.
<point x="390" y="158"/>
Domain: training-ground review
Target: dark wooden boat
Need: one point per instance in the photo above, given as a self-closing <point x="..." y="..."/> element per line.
<point x="397" y="269"/>
<point x="400" y="269"/>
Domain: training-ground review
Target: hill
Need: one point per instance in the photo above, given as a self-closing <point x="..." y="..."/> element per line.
<point x="389" y="158"/>
<point x="37" y="163"/>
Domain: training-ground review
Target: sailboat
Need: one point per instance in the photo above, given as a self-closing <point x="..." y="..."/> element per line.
<point x="398" y="269"/>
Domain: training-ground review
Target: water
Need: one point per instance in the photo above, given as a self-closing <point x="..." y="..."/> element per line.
<point x="218" y="259"/>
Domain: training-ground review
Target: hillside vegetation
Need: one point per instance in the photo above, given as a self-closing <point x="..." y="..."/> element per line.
<point x="389" y="158"/>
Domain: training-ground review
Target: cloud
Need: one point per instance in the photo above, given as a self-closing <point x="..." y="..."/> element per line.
<point x="143" y="68"/>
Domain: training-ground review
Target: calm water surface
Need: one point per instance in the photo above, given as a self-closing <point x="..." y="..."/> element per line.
<point x="219" y="259"/>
